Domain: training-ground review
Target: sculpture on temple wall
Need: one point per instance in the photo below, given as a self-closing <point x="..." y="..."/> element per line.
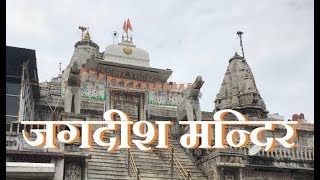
<point x="228" y="176"/>
<point x="72" y="90"/>
<point x="73" y="171"/>
<point x="188" y="104"/>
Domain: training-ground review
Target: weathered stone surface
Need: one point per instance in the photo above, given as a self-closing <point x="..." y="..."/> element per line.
<point x="189" y="105"/>
<point x="238" y="90"/>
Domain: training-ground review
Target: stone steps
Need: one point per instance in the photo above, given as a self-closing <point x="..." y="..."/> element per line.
<point x="106" y="171"/>
<point x="107" y="165"/>
<point x="152" y="165"/>
<point x="93" y="176"/>
<point x="147" y="175"/>
<point x="157" y="165"/>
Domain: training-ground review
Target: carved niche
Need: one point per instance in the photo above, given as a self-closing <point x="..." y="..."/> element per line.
<point x="73" y="171"/>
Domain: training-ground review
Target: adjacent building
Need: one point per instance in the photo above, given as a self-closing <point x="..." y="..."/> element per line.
<point x="22" y="97"/>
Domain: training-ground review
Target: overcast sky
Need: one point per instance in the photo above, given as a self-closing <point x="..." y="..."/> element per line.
<point x="190" y="37"/>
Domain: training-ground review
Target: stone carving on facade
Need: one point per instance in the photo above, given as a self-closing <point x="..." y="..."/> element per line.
<point x="130" y="84"/>
<point x="12" y="143"/>
<point x="189" y="105"/>
<point x="72" y="148"/>
<point x="127" y="102"/>
<point x="72" y="94"/>
<point x="231" y="159"/>
<point x="72" y="171"/>
<point x="228" y="176"/>
<point x="127" y="75"/>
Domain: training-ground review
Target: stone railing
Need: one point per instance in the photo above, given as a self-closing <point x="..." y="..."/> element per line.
<point x="57" y="101"/>
<point x="298" y="153"/>
<point x="163" y="111"/>
<point x="53" y="101"/>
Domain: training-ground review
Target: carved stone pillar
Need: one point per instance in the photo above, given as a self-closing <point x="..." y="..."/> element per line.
<point x="309" y="150"/>
<point x="272" y="153"/>
<point x="68" y="100"/>
<point x="85" y="175"/>
<point x="76" y="100"/>
<point x="285" y="153"/>
<point x="220" y="173"/>
<point x="72" y="97"/>
<point x="141" y="110"/>
<point x="111" y="99"/>
<point x="72" y="88"/>
<point x="107" y="98"/>
<point x="215" y="173"/>
<point x="58" y="175"/>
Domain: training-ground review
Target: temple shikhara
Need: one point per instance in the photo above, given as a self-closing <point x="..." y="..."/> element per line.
<point x="120" y="77"/>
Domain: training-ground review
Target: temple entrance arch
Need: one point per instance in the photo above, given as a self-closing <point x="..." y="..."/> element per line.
<point x="129" y="102"/>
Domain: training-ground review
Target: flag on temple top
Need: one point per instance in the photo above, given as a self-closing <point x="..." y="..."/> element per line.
<point x="100" y="76"/>
<point x="125" y="26"/>
<point x="129" y="25"/>
<point x="166" y="86"/>
<point x="174" y="86"/>
<point x="83" y="69"/>
<point x="189" y="85"/>
<point x="181" y="86"/>
<point x="91" y="72"/>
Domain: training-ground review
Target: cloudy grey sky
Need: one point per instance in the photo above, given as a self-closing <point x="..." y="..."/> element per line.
<point x="189" y="37"/>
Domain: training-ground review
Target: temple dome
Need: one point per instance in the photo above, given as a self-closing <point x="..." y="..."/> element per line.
<point x="86" y="41"/>
<point x="239" y="91"/>
<point x="127" y="53"/>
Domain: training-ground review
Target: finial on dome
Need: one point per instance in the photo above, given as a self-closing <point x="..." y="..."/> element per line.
<point x="86" y="36"/>
<point x="236" y="56"/>
<point x="84" y="32"/>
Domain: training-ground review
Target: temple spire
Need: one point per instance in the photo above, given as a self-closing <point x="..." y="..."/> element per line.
<point x="239" y="91"/>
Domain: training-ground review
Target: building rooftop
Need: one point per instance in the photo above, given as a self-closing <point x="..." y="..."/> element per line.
<point x="15" y="58"/>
